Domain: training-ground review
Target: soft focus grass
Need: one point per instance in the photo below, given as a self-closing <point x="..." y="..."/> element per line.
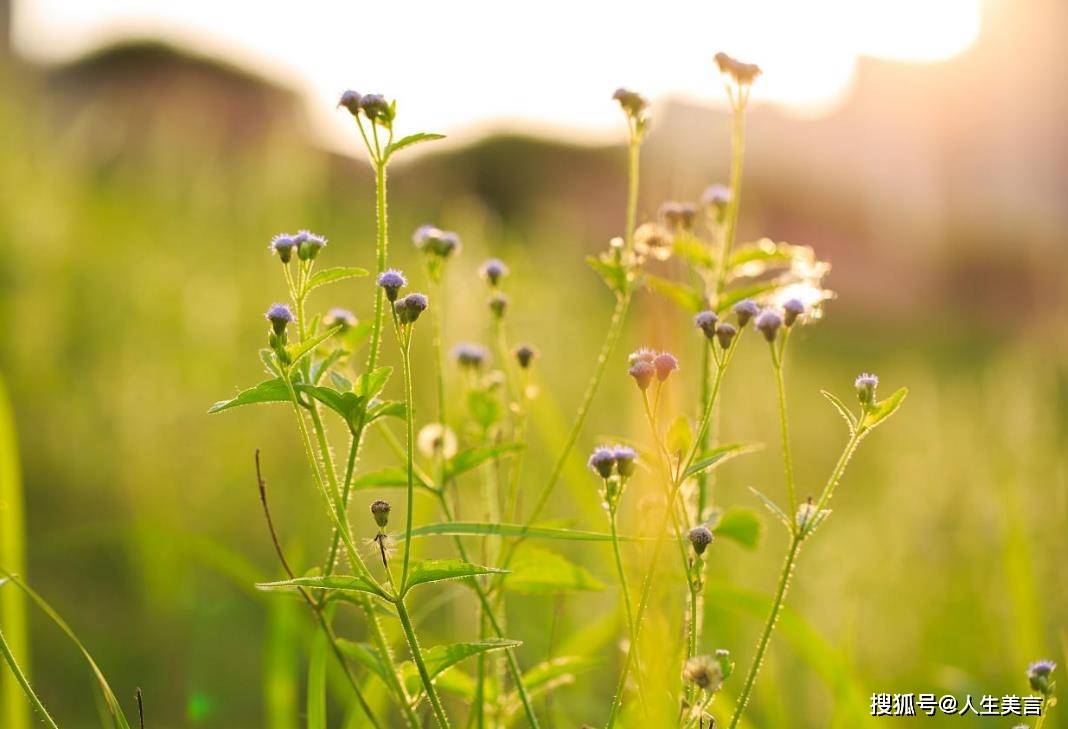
<point x="132" y="286"/>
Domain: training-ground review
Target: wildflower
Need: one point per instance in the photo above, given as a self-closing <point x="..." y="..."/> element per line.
<point x="665" y="364"/>
<point x="470" y="356"/>
<point x="725" y="333"/>
<point x="283" y="244"/>
<point x="642" y="355"/>
<point x="340" y="317"/>
<point x="706" y="322"/>
<point x="434" y="241"/>
<point x="602" y="461"/>
<point x="525" y="354"/>
<point x="643" y="373"/>
<point x="392" y="281"/>
<point x="350" y="100"/>
<point x="493" y="270"/>
<point x="745" y="310"/>
<point x="865" y="385"/>
<point x="498" y="304"/>
<point x="377" y="109"/>
<point x="279" y="315"/>
<point x="308" y="245"/>
<point x="700" y="537"/>
<point x="653" y="240"/>
<point x="625" y="457"/>
<point x="716" y="198"/>
<point x="380" y="510"/>
<point x="704" y="672"/>
<point x="793" y="309"/>
<point x="633" y="103"/>
<point x="677" y="215"/>
<point x="768" y="322"/>
<point x="435" y="440"/>
<point x="743" y="74"/>
<point x="409" y="307"/>
<point x="1038" y="674"/>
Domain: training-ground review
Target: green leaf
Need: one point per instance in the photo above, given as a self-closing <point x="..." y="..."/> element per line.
<point x="441" y="657"/>
<point x="385" y="478"/>
<point x="410" y="140"/>
<point x="386" y="409"/>
<point x="369" y="384"/>
<point x="297" y="352"/>
<point x="687" y="297"/>
<point x="536" y="570"/>
<point x="341" y="382"/>
<point x="269" y="391"/>
<point x="324" y="365"/>
<point x="345" y="583"/>
<point x="679" y="436"/>
<point x="330" y="275"/>
<point x="472" y="458"/>
<point x="842" y="409"/>
<point x="739" y="525"/>
<point x="316" y="704"/>
<point x="467" y="528"/>
<point x="711" y="459"/>
<point x="613" y="273"/>
<point x="692" y="249"/>
<point x="441" y="570"/>
<point x="345" y="404"/>
<point x="774" y="509"/>
<point x="884" y="409"/>
<point x="484" y="408"/>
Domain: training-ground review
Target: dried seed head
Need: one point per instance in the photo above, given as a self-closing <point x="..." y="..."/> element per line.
<point x="380" y="511"/>
<point x="643" y="373"/>
<point x="768" y="322"/>
<point x="725" y="333"/>
<point x="625" y="460"/>
<point x="706" y="322"/>
<point x="340" y="317"/>
<point x="498" y="304"/>
<point x="377" y="109"/>
<point x="350" y="100"/>
<point x="1038" y="675"/>
<point x="653" y="240"/>
<point x="704" y="672"/>
<point x="865" y="385"/>
<point x="392" y="281"/>
<point x="525" y="354"/>
<point x="493" y="270"/>
<point x="409" y="308"/>
<point x="743" y="74"/>
<point x="632" y="103"/>
<point x="602" y="461"/>
<point x="700" y="537"/>
<point x="792" y="309"/>
<point x="279" y="315"/>
<point x="716" y="198"/>
<point x="283" y="244"/>
<point x="470" y="356"/>
<point x="436" y="440"/>
<point x="745" y="310"/>
<point x="665" y="364"/>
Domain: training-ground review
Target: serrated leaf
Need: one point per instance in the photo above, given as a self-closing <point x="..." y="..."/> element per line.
<point x="268" y="391"/>
<point x="536" y="570"/>
<point x="370" y="384"/>
<point x="774" y="508"/>
<point x="472" y="458"/>
<point x="687" y="297"/>
<point x="713" y="458"/>
<point x="467" y="528"/>
<point x="842" y="409"/>
<point x="345" y="404"/>
<point x="345" y="583"/>
<point x="484" y="408"/>
<point x="330" y="275"/>
<point x="612" y="273"/>
<point x="679" y="436"/>
<point x="270" y="362"/>
<point x="386" y="409"/>
<point x="442" y="570"/>
<point x="741" y="526"/>
<point x="441" y="657"/>
<point x="412" y="139"/>
<point x="884" y="409"/>
<point x="300" y="351"/>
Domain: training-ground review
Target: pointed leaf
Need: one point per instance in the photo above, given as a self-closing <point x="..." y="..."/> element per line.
<point x="345" y="404"/>
<point x="686" y="297"/>
<point x="774" y="508"/>
<point x="472" y="458"/>
<point x="612" y="273"/>
<point x="338" y="273"/>
<point x="441" y="570"/>
<point x="371" y="383"/>
<point x="410" y="140"/>
<point x="440" y="657"/>
<point x="536" y="570"/>
<point x="386" y="409"/>
<point x="345" y="583"/>
<point x="739" y="525"/>
<point x="269" y="391"/>
<point x="297" y="352"/>
<point x="711" y="459"/>
<point x="340" y="382"/>
<point x="679" y="436"/>
<point x="842" y="409"/>
<point x="884" y="409"/>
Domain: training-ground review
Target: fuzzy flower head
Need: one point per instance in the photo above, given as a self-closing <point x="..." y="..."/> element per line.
<point x="642" y="355"/>
<point x="768" y="322"/>
<point x="716" y="198"/>
<point x="633" y="104"/>
<point x="625" y="457"/>
<point x="436" y="440"/>
<point x="643" y="373"/>
<point x="653" y="240"/>
<point x="664" y="364"/>
<point x="525" y="354"/>
<point x="436" y="242"/>
<point x="725" y="333"/>
<point x="340" y="317"/>
<point x="283" y="244"/>
<point x="380" y="511"/>
<point x="377" y="109"/>
<point x="706" y="322"/>
<point x="392" y="281"/>
<point x="865" y="385"/>
<point x="704" y="672"/>
<point x="602" y="461"/>
<point x="743" y="74"/>
<point x="470" y="356"/>
<point x="745" y="310"/>
<point x="700" y="537"/>
<point x="1038" y="675"/>
<point x="409" y="307"/>
<point x="308" y="245"/>
<point x="498" y="304"/>
<point x="280" y="315"/>
<point x="678" y="215"/>
<point x="792" y="309"/>
<point x="350" y="100"/>
<point x="493" y="270"/>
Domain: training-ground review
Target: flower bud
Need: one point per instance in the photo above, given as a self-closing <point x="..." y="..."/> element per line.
<point x="643" y="373"/>
<point x="493" y="270"/>
<point x="498" y="304"/>
<point x="1038" y="674"/>
<point x="768" y="322"/>
<point x="377" y="109"/>
<point x="716" y="198"/>
<point x="525" y="354"/>
<point x="743" y="74"/>
<point x="706" y="322"/>
<point x="470" y="356"/>
<point x="700" y="537"/>
<point x="392" y="281"/>
<point x="350" y="100"/>
<point x="283" y="244"/>
<point x="725" y="333"/>
<point x="677" y="215"/>
<point x="602" y="461"/>
<point x="792" y="309"/>
<point x="308" y="245"/>
<point x="625" y="457"/>
<point x="665" y="364"/>
<point x="866" y="384"/>
<point x="409" y="307"/>
<point x="279" y="315"/>
<point x="380" y="511"/>
<point x="632" y="103"/>
<point x="745" y="310"/>
<point x="340" y="317"/>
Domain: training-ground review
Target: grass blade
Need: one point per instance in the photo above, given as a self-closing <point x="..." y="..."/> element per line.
<point x="23" y="683"/>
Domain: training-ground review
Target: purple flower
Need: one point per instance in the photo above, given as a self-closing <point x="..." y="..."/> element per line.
<point x="409" y="307"/>
<point x="493" y="270"/>
<point x="665" y="364"/>
<point x="643" y="373"/>
<point x="377" y="109"/>
<point x="308" y="245"/>
<point x="745" y="310"/>
<point x="625" y="457"/>
<point x="525" y="354"/>
<point x="602" y="461"/>
<point x="706" y="322"/>
<point x="392" y="281"/>
<point x="865" y="385"/>
<point x="716" y="197"/>
<point x="350" y="100"/>
<point x="1038" y="674"/>
<point x="283" y="244"/>
<point x="279" y="315"/>
<point x="338" y="316"/>
<point x="700" y="537"/>
<point x="642" y="355"/>
<point x="434" y="241"/>
<point x="768" y="322"/>
<point x="725" y="333"/>
<point x="793" y="309"/>
<point x="470" y="356"/>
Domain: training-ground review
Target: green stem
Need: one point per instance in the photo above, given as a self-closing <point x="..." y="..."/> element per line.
<point x="420" y="664"/>
<point x="382" y="247"/>
<point x="24" y="683"/>
<point x="393" y="675"/>
<point x="784" y="427"/>
<point x="632" y="632"/>
<point x="409" y="418"/>
<point x="346" y="495"/>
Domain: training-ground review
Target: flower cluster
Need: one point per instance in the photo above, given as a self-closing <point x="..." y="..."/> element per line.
<point x="374" y="107"/>
<point x="648" y="364"/>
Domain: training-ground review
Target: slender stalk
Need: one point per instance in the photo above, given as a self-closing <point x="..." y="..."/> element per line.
<point x="420" y="664"/>
<point x="405" y="340"/>
<point x="346" y="495"/>
<point x="784" y="426"/>
<point x="382" y="249"/>
<point x="623" y="587"/>
<point x="20" y="677"/>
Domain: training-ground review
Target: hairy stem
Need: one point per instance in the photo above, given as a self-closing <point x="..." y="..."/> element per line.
<point x="409" y="422"/>
<point x="420" y="664"/>
<point x="784" y="429"/>
<point x="382" y="249"/>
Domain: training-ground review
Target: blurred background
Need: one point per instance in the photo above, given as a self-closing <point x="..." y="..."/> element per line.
<point x="150" y="153"/>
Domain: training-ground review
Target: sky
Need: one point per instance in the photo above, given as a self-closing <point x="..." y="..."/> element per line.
<point x="551" y="65"/>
